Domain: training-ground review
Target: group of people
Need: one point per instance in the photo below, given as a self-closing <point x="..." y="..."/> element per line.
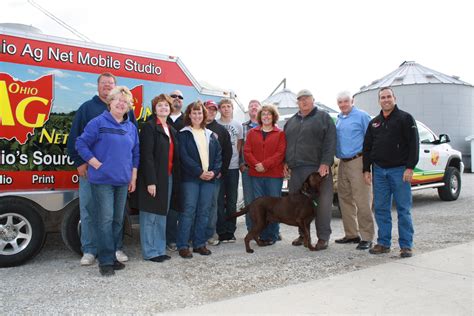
<point x="182" y="171"/>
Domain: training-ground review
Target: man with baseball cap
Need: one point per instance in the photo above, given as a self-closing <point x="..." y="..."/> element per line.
<point x="224" y="140"/>
<point x="311" y="146"/>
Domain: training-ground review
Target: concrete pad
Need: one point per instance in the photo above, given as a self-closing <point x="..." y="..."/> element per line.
<point x="440" y="282"/>
<point x="457" y="260"/>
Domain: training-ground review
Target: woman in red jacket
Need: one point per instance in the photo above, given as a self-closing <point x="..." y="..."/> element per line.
<point x="264" y="152"/>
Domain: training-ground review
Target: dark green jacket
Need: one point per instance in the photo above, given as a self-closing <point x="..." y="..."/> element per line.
<point x="311" y="140"/>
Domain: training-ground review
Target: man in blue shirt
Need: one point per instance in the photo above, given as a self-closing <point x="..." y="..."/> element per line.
<point x="355" y="195"/>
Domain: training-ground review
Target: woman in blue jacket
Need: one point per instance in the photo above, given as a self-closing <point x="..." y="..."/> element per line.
<point x="200" y="155"/>
<point x="110" y="146"/>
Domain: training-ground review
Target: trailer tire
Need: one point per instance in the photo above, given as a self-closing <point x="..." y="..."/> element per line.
<point x="71" y="229"/>
<point x="22" y="232"/>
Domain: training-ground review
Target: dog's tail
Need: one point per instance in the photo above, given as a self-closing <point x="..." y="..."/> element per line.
<point x="243" y="211"/>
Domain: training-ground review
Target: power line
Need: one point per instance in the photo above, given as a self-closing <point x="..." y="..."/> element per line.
<point x="60" y="22"/>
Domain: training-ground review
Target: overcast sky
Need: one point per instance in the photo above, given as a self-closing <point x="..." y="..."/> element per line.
<point x="250" y="46"/>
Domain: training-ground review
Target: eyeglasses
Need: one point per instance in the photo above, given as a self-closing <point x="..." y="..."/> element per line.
<point x="174" y="96"/>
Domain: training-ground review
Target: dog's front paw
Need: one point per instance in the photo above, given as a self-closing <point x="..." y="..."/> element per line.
<point x="249" y="250"/>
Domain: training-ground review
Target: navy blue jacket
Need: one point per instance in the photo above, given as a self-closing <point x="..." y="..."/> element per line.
<point x="87" y="111"/>
<point x="191" y="167"/>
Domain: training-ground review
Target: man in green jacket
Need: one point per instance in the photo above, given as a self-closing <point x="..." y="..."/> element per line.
<point x="311" y="146"/>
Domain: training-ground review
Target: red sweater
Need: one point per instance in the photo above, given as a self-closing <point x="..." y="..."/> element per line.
<point x="270" y="152"/>
<point x="171" y="150"/>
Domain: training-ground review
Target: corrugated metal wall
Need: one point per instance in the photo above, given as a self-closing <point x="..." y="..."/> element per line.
<point x="444" y="108"/>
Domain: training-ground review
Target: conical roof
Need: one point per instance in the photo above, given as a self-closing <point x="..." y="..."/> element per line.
<point x="286" y="99"/>
<point x="410" y="73"/>
<point x="283" y="99"/>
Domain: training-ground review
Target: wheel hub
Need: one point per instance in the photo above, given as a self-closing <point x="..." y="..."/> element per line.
<point x="15" y="233"/>
<point x="8" y="232"/>
<point x="454" y="184"/>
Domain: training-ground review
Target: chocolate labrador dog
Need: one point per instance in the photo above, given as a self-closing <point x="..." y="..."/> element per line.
<point x="297" y="209"/>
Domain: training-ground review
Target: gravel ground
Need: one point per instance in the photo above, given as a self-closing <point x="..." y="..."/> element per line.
<point x="54" y="282"/>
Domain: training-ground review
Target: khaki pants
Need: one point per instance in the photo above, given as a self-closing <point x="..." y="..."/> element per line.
<point x="355" y="200"/>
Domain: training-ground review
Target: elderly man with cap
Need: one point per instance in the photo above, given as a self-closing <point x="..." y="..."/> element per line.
<point x="311" y="146"/>
<point x="224" y="140"/>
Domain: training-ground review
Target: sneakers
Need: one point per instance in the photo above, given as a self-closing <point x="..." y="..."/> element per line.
<point x="121" y="256"/>
<point x="87" y="259"/>
<point x="406" y="253"/>
<point x="171" y="246"/>
<point x="231" y="239"/>
<point x="379" y="249"/>
<point x="213" y="242"/>
<point x="227" y="238"/>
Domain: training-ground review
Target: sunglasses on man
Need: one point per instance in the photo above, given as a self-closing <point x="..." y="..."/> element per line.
<point x="174" y="96"/>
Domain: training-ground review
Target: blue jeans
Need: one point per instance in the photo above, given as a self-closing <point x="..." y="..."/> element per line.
<point x="248" y="195"/>
<point x="153" y="230"/>
<point x="87" y="214"/>
<point x="211" y="226"/>
<point x="388" y="182"/>
<point x="227" y="203"/>
<point x="110" y="203"/>
<point x="197" y="200"/>
<point x="265" y="186"/>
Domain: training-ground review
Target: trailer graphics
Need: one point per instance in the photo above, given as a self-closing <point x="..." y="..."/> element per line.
<point x="43" y="82"/>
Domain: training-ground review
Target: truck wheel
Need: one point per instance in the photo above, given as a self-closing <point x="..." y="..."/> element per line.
<point x="452" y="188"/>
<point x="22" y="232"/>
<point x="71" y="229"/>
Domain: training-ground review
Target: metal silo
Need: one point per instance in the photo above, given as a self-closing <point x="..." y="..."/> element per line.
<point x="443" y="102"/>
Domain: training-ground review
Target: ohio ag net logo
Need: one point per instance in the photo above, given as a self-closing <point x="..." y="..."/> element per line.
<point x="24" y="106"/>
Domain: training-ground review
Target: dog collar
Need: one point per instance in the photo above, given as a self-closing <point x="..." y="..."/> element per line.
<point x="309" y="196"/>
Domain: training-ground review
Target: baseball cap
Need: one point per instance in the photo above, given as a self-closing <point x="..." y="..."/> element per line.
<point x="210" y="103"/>
<point x="304" y="93"/>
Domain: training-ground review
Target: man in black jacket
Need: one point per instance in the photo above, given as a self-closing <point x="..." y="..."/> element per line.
<point x="224" y="140"/>
<point x="391" y="147"/>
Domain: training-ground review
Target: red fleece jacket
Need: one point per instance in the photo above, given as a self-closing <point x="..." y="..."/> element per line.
<point x="270" y="152"/>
